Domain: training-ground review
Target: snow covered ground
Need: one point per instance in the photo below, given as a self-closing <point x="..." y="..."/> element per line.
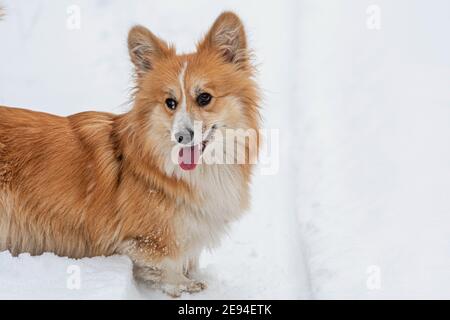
<point x="374" y="152"/>
<point x="360" y="205"/>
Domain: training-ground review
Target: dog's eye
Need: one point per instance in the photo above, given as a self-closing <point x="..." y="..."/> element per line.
<point x="204" y="99"/>
<point x="171" y="104"/>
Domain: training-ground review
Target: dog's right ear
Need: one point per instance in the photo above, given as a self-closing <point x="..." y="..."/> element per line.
<point x="145" y="48"/>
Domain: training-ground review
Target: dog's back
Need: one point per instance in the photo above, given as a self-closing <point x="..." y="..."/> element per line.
<point x="48" y="157"/>
<point x="26" y="140"/>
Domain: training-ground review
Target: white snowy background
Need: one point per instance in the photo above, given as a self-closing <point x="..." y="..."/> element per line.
<point x="360" y="205"/>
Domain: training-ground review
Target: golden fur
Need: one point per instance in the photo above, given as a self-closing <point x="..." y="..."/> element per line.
<point x="99" y="184"/>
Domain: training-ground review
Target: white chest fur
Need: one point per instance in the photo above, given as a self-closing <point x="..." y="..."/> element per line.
<point x="224" y="195"/>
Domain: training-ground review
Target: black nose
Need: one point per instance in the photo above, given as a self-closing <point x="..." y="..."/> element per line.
<point x="185" y="136"/>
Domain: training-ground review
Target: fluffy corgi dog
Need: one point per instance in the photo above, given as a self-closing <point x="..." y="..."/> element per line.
<point x="100" y="184"/>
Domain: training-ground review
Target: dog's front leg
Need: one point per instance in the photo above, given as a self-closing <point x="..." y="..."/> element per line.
<point x="191" y="266"/>
<point x="165" y="273"/>
<point x="175" y="282"/>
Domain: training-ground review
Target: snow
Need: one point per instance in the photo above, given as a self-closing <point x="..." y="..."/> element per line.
<point x="374" y="158"/>
<point x="359" y="207"/>
<point x="51" y="277"/>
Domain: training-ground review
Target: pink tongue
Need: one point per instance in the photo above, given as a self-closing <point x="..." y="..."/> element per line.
<point x="188" y="158"/>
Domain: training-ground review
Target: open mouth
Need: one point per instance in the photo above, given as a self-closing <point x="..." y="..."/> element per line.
<point x="189" y="156"/>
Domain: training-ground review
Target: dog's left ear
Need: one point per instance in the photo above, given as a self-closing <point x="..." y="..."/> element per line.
<point x="227" y="35"/>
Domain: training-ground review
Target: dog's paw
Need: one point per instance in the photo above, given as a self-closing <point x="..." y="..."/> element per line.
<point x="196" y="286"/>
<point x="176" y="290"/>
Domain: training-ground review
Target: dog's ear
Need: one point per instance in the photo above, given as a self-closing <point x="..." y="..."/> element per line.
<point x="145" y="48"/>
<point x="227" y="35"/>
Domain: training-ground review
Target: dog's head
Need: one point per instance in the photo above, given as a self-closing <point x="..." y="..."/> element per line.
<point x="185" y="104"/>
